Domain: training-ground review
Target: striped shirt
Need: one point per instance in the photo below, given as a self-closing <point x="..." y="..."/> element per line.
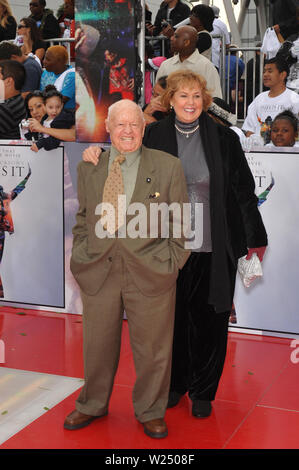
<point x="12" y="111"/>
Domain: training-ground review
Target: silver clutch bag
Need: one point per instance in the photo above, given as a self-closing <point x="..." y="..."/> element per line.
<point x="249" y="269"/>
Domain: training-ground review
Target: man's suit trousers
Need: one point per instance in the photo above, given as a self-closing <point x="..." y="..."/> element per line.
<point x="150" y="321"/>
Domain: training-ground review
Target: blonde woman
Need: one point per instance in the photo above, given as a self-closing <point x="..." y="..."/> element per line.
<point x="218" y="177"/>
<point x="8" y="23"/>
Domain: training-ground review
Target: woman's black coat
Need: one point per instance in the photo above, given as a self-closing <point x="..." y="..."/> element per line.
<point x="236" y="223"/>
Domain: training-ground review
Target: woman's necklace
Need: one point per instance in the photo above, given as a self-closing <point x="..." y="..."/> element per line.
<point x="186" y="133"/>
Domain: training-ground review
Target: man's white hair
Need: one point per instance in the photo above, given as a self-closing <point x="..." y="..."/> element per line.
<point x="122" y="103"/>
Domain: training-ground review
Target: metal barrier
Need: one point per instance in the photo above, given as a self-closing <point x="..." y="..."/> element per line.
<point x="239" y="99"/>
<point x="56" y="41"/>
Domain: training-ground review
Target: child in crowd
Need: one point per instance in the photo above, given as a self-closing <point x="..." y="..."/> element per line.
<point x="56" y="117"/>
<point x="284" y="130"/>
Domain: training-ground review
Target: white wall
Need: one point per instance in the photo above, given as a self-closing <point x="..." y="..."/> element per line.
<point x="20" y="8"/>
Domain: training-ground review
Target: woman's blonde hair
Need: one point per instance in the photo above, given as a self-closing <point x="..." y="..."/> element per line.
<point x="7" y="12"/>
<point x="188" y="79"/>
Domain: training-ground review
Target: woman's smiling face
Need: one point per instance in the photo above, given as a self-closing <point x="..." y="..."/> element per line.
<point x="187" y="103"/>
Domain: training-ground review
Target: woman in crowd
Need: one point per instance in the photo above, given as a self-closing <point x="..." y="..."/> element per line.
<point x="36" y="112"/>
<point x="218" y="178"/>
<point x="154" y="111"/>
<point x="201" y="18"/>
<point x="8" y="23"/>
<point x="60" y="74"/>
<point x="35" y="108"/>
<point x="56" y="118"/>
<point x="32" y="42"/>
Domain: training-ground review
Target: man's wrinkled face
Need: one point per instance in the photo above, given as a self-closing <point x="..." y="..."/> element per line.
<point x="126" y="128"/>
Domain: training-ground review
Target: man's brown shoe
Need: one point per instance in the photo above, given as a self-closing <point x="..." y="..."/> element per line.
<point x="77" y="420"/>
<point x="156" y="428"/>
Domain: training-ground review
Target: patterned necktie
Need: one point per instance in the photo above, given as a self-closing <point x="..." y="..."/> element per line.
<point x="114" y="186"/>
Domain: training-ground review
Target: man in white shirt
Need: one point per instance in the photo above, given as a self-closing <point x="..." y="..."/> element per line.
<point x="270" y="103"/>
<point x="183" y="45"/>
<point x="219" y="29"/>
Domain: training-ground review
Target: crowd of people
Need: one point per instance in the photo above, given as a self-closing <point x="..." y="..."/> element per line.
<point x="193" y="46"/>
<point x="30" y="69"/>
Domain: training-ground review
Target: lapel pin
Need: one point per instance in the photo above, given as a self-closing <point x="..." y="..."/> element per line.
<point x="153" y="196"/>
<point x="148" y="180"/>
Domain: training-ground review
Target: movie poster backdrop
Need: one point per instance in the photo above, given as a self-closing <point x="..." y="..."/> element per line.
<point x="36" y="256"/>
<point x="31" y="226"/>
<point x="270" y="304"/>
<point x="105" y="62"/>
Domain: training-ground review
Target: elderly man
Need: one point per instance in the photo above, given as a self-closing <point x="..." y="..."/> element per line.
<point x="119" y="271"/>
<point x="186" y="56"/>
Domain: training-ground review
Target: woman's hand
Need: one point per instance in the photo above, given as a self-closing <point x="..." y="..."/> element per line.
<point x="92" y="154"/>
<point x="34" y="147"/>
<point x="150" y="29"/>
<point x="35" y="125"/>
<point x="276" y="28"/>
<point x="155" y="105"/>
<point x="27" y="44"/>
<point x="260" y="251"/>
<point x="168" y="31"/>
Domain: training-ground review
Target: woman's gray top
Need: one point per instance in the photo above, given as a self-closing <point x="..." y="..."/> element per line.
<point x="192" y="156"/>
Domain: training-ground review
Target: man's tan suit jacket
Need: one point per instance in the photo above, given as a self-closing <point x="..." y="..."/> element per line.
<point x="153" y="262"/>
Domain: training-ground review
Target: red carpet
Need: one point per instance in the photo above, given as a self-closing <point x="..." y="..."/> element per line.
<point x="257" y="405"/>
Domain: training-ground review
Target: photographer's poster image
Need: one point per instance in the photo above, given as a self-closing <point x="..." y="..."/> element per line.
<point x="32" y="226"/>
<point x="105" y="63"/>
